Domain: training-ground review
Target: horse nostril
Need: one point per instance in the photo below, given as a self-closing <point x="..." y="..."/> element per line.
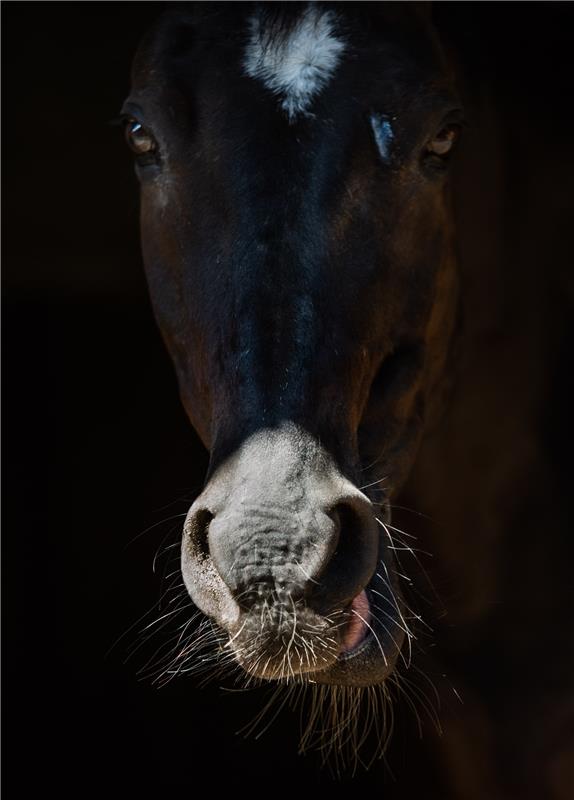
<point x="199" y="533"/>
<point x="350" y="534"/>
<point x="350" y="566"/>
<point x="204" y="583"/>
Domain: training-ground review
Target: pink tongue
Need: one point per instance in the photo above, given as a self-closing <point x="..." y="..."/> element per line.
<point x="358" y="623"/>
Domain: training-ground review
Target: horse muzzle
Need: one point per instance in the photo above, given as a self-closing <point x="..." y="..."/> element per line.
<point x="280" y="550"/>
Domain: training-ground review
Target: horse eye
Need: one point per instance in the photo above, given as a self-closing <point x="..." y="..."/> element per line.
<point x="444" y="141"/>
<point x="139" y="139"/>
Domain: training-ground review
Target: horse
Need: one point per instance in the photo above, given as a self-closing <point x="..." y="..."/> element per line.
<point x="360" y="355"/>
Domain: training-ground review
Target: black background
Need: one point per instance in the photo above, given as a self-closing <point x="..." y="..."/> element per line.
<point x="98" y="452"/>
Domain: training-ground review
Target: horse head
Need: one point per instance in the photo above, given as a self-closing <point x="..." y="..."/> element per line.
<point x="298" y="244"/>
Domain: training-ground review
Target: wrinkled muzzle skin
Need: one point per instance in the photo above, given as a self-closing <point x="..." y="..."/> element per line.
<point x="302" y="274"/>
<point x="277" y="549"/>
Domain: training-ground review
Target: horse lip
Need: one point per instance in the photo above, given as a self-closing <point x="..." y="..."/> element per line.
<point x="348" y="655"/>
<point x="358" y="627"/>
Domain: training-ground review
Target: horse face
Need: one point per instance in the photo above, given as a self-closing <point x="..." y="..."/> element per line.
<point x="296" y="239"/>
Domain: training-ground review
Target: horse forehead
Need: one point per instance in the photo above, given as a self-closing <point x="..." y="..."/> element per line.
<point x="295" y="61"/>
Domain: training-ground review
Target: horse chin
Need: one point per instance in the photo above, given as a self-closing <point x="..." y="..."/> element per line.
<point x="363" y="656"/>
<point x="285" y="641"/>
<point x="355" y="646"/>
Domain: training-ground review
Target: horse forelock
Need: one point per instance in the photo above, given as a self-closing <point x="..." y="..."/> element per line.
<point x="294" y="57"/>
